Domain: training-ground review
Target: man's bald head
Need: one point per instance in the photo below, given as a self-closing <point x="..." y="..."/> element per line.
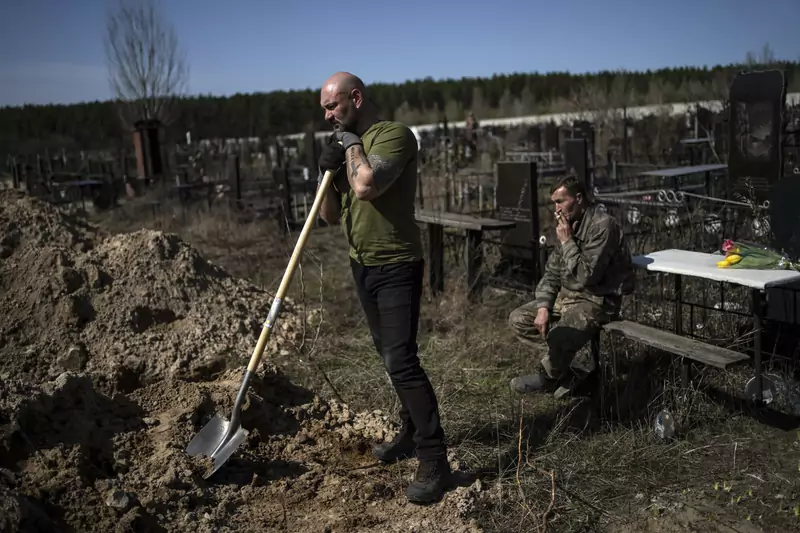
<point x="344" y="81"/>
<point x="343" y="96"/>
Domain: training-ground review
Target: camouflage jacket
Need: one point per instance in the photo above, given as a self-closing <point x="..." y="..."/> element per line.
<point x="595" y="264"/>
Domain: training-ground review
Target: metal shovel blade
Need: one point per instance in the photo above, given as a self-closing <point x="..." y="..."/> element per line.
<point x="217" y="440"/>
<point x="220" y="438"/>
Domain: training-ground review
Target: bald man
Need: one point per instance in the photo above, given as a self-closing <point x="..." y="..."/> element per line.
<point x="372" y="196"/>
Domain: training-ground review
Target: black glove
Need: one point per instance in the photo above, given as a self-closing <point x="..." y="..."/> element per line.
<point x="347" y="139"/>
<point x="340" y="181"/>
<point x="332" y="156"/>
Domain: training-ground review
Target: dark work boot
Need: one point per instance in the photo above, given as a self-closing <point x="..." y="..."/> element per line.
<point x="433" y="477"/>
<point x="572" y="383"/>
<point x="402" y="446"/>
<point x="539" y="382"/>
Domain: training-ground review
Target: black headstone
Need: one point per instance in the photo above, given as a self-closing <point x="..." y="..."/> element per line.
<point x="705" y="121"/>
<point x="576" y="159"/>
<point x="642" y="140"/>
<point x="720" y="136"/>
<point x="551" y="136"/>
<point x="791" y="141"/>
<point x="784" y="216"/>
<point x="535" y="136"/>
<point x="518" y="201"/>
<point x="783" y="302"/>
<point x="585" y="130"/>
<point x="757" y="100"/>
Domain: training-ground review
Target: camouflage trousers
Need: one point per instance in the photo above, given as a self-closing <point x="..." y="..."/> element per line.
<point x="569" y="332"/>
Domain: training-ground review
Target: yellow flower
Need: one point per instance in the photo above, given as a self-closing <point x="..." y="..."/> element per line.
<point x="723" y="264"/>
<point x="733" y="259"/>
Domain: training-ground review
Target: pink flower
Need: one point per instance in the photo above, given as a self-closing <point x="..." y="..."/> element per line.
<point x="728" y="245"/>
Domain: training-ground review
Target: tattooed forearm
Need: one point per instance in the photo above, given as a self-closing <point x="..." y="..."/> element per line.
<point x="370" y="175"/>
<point x="355" y="160"/>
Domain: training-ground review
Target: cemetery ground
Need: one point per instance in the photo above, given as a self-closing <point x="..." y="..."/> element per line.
<point x="528" y="464"/>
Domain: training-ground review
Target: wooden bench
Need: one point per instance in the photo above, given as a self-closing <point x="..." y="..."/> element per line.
<point x="473" y="255"/>
<point x="686" y="348"/>
<point x="667" y="341"/>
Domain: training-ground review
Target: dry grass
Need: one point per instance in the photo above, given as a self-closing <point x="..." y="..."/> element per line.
<point x="543" y="465"/>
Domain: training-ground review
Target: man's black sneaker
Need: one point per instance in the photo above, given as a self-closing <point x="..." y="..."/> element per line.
<point x="432" y="479"/>
<point x="401" y="447"/>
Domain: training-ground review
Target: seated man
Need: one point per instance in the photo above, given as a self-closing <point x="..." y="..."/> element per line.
<point x="590" y="269"/>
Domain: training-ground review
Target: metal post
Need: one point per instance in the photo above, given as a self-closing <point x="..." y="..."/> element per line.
<point x="494" y="190"/>
<point x="679" y="327"/>
<point x="533" y="196"/>
<point x="238" y="178"/>
<point x="420" y="191"/>
<point x="436" y="258"/>
<point x="758" y="315"/>
<point x="15" y="173"/>
<point x="474" y="260"/>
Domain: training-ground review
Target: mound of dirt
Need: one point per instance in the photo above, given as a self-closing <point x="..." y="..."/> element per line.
<point x="130" y="309"/>
<point x="116" y="351"/>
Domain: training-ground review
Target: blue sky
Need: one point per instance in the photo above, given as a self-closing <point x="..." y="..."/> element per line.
<point x="52" y="50"/>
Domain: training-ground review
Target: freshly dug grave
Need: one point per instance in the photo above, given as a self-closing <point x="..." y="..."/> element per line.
<point x="116" y="350"/>
<point x="75" y="459"/>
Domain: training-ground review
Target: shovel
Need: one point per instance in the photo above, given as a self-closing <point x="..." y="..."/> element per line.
<point x="220" y="438"/>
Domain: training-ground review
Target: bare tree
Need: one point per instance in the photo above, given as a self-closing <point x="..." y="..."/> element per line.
<point x="147" y="70"/>
<point x="765" y="59"/>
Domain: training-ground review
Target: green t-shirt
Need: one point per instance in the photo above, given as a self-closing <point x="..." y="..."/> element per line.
<point x="384" y="230"/>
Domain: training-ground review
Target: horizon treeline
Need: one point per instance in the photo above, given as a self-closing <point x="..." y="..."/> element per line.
<point x="96" y="125"/>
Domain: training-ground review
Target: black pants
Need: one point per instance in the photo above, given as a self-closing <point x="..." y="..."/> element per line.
<point x="390" y="295"/>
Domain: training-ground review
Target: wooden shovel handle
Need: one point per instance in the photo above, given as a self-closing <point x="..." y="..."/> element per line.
<point x="311" y="219"/>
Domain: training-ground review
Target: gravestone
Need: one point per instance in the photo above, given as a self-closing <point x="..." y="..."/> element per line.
<point x="535" y="137"/>
<point x="720" y="129"/>
<point x="551" y="137"/>
<point x="518" y="201"/>
<point x="755" y="163"/>
<point x="642" y="139"/>
<point x="784" y="216"/>
<point x="784" y="197"/>
<point x="757" y="100"/>
<point x="583" y="129"/>
<point x="791" y="142"/>
<point x="703" y="121"/>
<point x="576" y="160"/>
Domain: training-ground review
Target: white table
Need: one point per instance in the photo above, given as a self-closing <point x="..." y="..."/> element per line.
<point x="700" y="265"/>
<point x="703" y="265"/>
